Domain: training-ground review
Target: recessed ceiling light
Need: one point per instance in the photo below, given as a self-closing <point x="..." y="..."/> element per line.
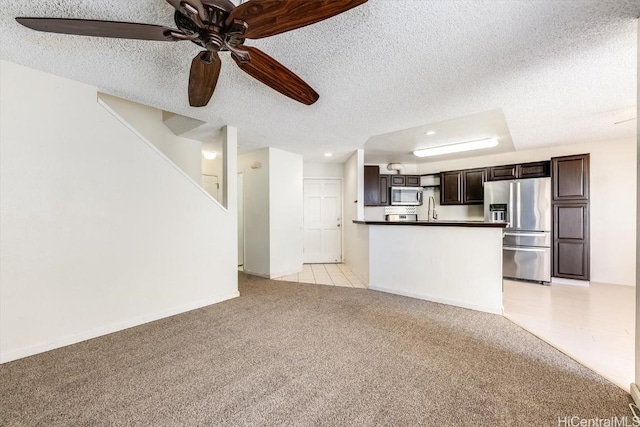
<point x="209" y="155"/>
<point x="431" y="132"/>
<point x="328" y="154"/>
<point x="457" y="148"/>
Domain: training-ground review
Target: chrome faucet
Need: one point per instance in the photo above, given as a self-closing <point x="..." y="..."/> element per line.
<point x="431" y="211"/>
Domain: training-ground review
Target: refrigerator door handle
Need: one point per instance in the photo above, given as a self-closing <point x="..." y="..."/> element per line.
<point x="509" y="248"/>
<point x="518" y="203"/>
<point x="510" y="206"/>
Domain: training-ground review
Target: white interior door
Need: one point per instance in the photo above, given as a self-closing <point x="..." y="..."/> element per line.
<point x="210" y="184"/>
<point x="322" y="220"/>
<point x="240" y="220"/>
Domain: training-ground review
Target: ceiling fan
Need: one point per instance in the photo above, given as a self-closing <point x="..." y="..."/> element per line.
<point x="218" y="25"/>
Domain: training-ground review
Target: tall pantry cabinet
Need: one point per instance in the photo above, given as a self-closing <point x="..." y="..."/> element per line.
<point x="570" y="202"/>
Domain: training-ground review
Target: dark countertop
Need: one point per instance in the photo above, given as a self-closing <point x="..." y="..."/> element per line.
<point x="443" y="223"/>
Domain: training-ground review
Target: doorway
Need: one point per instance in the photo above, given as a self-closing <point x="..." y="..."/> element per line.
<point x="240" y="186"/>
<point x="211" y="185"/>
<point x="322" y="220"/>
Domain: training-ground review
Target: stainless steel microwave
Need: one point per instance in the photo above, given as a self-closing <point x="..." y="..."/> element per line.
<point x="406" y="196"/>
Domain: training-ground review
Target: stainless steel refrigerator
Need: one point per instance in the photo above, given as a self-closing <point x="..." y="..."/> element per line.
<point x="525" y="204"/>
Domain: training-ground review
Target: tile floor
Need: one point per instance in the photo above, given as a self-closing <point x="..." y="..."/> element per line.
<point x="594" y="325"/>
<point x="326" y="274"/>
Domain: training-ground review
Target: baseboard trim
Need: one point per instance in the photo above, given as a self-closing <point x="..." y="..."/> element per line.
<point x="570" y="282"/>
<point x="635" y="393"/>
<point x="264" y="276"/>
<point x="276" y="275"/>
<point x="9" y="356"/>
<point x="492" y="310"/>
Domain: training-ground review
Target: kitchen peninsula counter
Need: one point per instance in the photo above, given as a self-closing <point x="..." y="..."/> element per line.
<point x="438" y="223"/>
<point x="451" y="262"/>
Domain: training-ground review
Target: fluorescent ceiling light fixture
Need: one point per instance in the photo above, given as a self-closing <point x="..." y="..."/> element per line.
<point x="209" y="155"/>
<point x="456" y="148"/>
<point x="431" y="132"/>
<point x="328" y="154"/>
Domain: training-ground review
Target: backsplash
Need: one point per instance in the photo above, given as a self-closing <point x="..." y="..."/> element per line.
<point x="454" y="213"/>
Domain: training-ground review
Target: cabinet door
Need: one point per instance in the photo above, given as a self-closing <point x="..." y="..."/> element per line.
<point x="534" y="170"/>
<point x="570" y="178"/>
<point x="371" y="185"/>
<point x="412" y="180"/>
<point x="384" y="190"/>
<point x="397" y="180"/>
<point x="474" y="186"/>
<point x="571" y="240"/>
<point x="451" y="188"/>
<point x="499" y="173"/>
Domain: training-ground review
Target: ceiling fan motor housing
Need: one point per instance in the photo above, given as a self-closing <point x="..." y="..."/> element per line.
<point x="211" y="33"/>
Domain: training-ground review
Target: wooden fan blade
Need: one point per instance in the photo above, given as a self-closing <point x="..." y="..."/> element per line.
<point x="87" y="27"/>
<point x="190" y="7"/>
<point x="203" y="78"/>
<point x="269" y="17"/>
<point x="275" y="75"/>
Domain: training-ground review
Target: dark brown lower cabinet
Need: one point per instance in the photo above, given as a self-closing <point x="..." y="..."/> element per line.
<point x="571" y="240"/>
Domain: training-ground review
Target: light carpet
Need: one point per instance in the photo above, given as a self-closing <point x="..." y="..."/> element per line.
<point x="299" y="354"/>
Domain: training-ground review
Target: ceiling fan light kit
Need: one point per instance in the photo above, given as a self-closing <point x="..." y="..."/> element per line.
<point x="457" y="147"/>
<point x="219" y="25"/>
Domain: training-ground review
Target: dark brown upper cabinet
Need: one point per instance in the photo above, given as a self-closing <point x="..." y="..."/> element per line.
<point x="384" y="190"/>
<point x="376" y="187"/>
<point x="465" y="187"/>
<point x="404" y="180"/>
<point x="534" y="170"/>
<point x="372" y="185"/>
<point x="500" y="173"/>
<point x="397" y="180"/>
<point x="451" y="188"/>
<point x="571" y="178"/>
<point x="524" y="170"/>
<point x="412" y="180"/>
<point x="473" y="185"/>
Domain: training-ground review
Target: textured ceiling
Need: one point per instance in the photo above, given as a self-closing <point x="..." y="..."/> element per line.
<point x="561" y="71"/>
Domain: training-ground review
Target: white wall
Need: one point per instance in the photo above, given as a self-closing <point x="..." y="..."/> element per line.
<point x="184" y="152"/>
<point x="273" y="212"/>
<point x="214" y="167"/>
<point x="286" y="212"/>
<point x="612" y="200"/>
<point x="635" y="392"/>
<point x="323" y="170"/>
<point x="408" y="169"/>
<point x="256" y="211"/>
<point x="356" y="237"/>
<point x="100" y="231"/>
